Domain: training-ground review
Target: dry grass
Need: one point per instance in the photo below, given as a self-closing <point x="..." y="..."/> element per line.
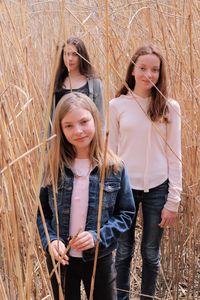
<point x="29" y="33"/>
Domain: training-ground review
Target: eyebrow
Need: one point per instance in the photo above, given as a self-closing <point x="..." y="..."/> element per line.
<point x="66" y="123"/>
<point x="143" y="64"/>
<point x="83" y="118"/>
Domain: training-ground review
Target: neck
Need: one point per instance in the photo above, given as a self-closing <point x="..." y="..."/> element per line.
<point x="82" y="154"/>
<point x="142" y="94"/>
<point x="74" y="73"/>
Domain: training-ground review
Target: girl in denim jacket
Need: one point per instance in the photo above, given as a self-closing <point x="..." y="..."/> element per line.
<point x="70" y="199"/>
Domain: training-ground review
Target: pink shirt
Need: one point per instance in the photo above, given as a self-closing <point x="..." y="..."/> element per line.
<point x="79" y="201"/>
<point x="150" y="150"/>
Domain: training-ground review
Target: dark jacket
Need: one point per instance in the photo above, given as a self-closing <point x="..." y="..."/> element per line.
<point x="118" y="210"/>
<point x="95" y="92"/>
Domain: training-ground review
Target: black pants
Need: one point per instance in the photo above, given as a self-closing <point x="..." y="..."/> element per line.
<point x="77" y="270"/>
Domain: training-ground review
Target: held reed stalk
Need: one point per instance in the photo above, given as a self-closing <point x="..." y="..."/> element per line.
<point x="107" y="49"/>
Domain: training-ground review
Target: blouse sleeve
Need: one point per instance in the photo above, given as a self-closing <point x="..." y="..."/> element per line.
<point x="113" y="127"/>
<point x="174" y="156"/>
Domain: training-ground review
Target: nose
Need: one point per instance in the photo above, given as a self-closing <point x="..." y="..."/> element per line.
<point x="149" y="73"/>
<point x="69" y="56"/>
<point x="78" y="129"/>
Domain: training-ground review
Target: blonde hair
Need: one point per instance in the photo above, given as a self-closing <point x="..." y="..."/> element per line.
<point x="62" y="153"/>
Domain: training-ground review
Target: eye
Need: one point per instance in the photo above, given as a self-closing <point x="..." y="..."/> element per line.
<point x="67" y="126"/>
<point x="156" y="70"/>
<point x="75" y="54"/>
<point x="84" y="122"/>
<point x="142" y="68"/>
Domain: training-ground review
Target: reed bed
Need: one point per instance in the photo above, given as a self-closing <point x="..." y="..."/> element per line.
<point x="30" y="31"/>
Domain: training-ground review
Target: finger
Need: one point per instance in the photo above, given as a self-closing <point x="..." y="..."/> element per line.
<point x="59" y="252"/>
<point x="60" y="247"/>
<point x="79" y="240"/>
<point x="89" y="243"/>
<point x="65" y="261"/>
<point x="162" y="223"/>
<point x="62" y="255"/>
<point x="86" y="242"/>
<point x="62" y="251"/>
<point x="55" y="254"/>
<point x="84" y="246"/>
<point x="167" y="222"/>
<point x="78" y="244"/>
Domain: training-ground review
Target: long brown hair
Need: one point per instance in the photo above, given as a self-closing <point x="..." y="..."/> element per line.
<point x="62" y="153"/>
<point x="158" y="108"/>
<point x="85" y="64"/>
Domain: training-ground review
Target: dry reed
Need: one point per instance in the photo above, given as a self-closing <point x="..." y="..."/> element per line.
<point x="29" y="33"/>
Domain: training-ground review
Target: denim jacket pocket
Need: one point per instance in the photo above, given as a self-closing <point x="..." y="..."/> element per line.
<point x="64" y="188"/>
<point x="111" y="190"/>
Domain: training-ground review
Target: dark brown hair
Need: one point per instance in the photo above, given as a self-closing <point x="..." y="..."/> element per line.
<point x="158" y="109"/>
<point x="85" y="65"/>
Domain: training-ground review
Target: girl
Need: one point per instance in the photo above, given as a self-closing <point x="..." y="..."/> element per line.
<point x="145" y="131"/>
<point x="75" y="73"/>
<point x="73" y="171"/>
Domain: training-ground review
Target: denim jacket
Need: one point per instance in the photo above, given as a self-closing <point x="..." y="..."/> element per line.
<point x="118" y="210"/>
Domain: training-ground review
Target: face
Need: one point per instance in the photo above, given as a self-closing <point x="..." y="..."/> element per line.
<point x="146" y="72"/>
<point x="71" y="58"/>
<point x="79" y="129"/>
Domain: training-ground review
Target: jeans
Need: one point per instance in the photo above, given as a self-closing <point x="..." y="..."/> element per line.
<point x="152" y="204"/>
<point x="77" y="270"/>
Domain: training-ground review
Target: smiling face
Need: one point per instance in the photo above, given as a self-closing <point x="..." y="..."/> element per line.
<point x="146" y="72"/>
<point x="71" y="58"/>
<point x="79" y="129"/>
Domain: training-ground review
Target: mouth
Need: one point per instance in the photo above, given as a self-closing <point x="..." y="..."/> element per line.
<point x="80" y="139"/>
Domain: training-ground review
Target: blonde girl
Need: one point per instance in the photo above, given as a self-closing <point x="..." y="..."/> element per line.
<point x="73" y="170"/>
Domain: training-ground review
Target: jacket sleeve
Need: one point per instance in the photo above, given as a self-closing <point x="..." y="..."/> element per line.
<point x="174" y="156"/>
<point x="122" y="218"/>
<point x="48" y="215"/>
<point x="96" y="94"/>
<point x="50" y="126"/>
<point x="114" y="127"/>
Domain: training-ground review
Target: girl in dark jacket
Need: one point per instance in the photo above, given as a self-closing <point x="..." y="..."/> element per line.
<point x="70" y="199"/>
<point x="76" y="74"/>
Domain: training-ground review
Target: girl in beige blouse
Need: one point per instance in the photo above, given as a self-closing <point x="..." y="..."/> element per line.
<point x="145" y="131"/>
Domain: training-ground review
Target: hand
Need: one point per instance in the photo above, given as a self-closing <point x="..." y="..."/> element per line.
<point x="83" y="241"/>
<point x="167" y="218"/>
<point x="58" y="249"/>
